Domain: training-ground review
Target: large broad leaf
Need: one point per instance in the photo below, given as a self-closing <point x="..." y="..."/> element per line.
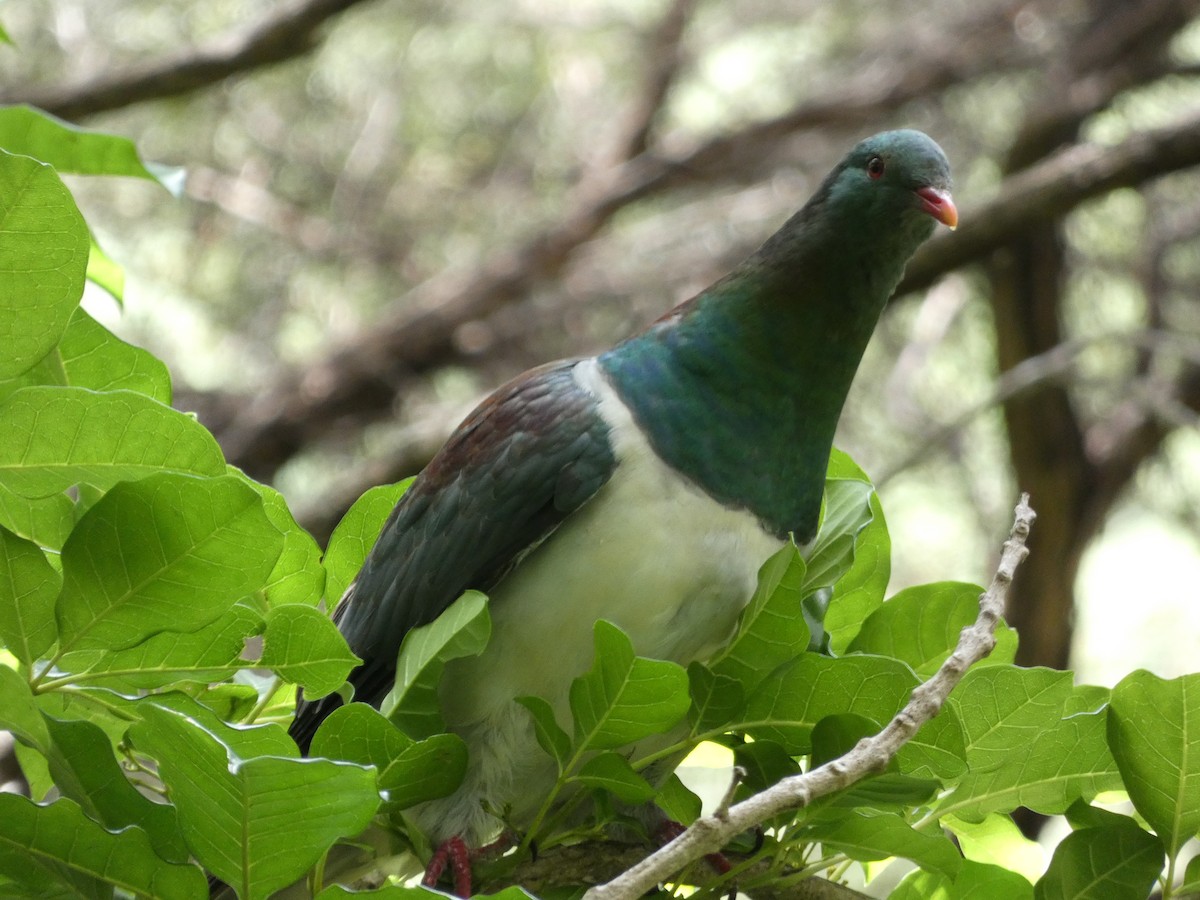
<point x="867" y="836"/>
<point x="70" y="148"/>
<point x="975" y="881"/>
<point x="212" y="653"/>
<point x="302" y="646"/>
<point x="83" y="767"/>
<point x="1118" y="861"/>
<point x="28" y="588"/>
<point x="258" y="824"/>
<point x="43" y="260"/>
<point x="60" y="845"/>
<point x="1032" y="740"/>
<point x="168" y="553"/>
<point x="624" y="698"/>
<point x="54" y="437"/>
<point x="772" y="629"/>
<point x="787" y="706"/>
<point x="549" y="733"/>
<point x="462" y="630"/>
<point x="860" y="591"/>
<point x="921" y="625"/>
<point x="298" y="576"/>
<point x="90" y="356"/>
<point x="1154" y="733"/>
<point x="46" y="521"/>
<point x="411" y="772"/>
<point x="717" y="700"/>
<point x="610" y="771"/>
<point x="356" y="534"/>
<point x="847" y="511"/>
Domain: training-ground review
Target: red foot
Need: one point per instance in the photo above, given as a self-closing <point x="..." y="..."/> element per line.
<point x="452" y="851"/>
<point x="669" y="830"/>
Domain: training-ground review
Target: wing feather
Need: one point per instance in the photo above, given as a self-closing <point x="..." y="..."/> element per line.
<point x="530" y="455"/>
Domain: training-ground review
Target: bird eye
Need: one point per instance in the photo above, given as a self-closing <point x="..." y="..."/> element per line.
<point x="875" y="167"/>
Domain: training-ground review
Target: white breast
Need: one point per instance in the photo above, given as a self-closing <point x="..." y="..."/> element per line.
<point x="650" y="553"/>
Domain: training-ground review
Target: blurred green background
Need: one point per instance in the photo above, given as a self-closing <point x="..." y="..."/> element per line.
<point x="389" y="208"/>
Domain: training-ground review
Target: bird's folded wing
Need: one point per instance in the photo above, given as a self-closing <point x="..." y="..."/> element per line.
<point x="530" y="455"/>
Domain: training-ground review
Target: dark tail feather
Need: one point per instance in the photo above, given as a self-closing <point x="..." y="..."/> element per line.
<point x="309" y="716"/>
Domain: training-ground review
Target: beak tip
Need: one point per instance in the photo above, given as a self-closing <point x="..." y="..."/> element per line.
<point x="940" y="205"/>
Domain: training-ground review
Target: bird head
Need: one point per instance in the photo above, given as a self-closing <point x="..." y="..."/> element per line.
<point x="899" y="179"/>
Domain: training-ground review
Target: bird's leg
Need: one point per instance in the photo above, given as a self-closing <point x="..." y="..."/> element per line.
<point x="453" y="852"/>
<point x="669" y="830"/>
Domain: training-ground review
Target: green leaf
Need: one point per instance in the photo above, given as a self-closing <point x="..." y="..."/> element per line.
<point x="786" y="707"/>
<point x="921" y="625"/>
<point x="59" y="841"/>
<point x="1032" y="740"/>
<point x="52" y="438"/>
<point x="43" y="259"/>
<point x="1191" y="878"/>
<point x="411" y="772"/>
<point x="28" y="588"/>
<point x="867" y="836"/>
<point x="302" y="646"/>
<point x="717" y="700"/>
<point x="847" y="511"/>
<point x="624" y="698"/>
<point x="765" y="763"/>
<point x="90" y="356"/>
<point x="1154" y="733"/>
<point x="975" y="881"/>
<point x="611" y="772"/>
<point x="462" y="630"/>
<point x="298" y="576"/>
<point x="168" y="553"/>
<point x="860" y="591"/>
<point x="679" y="803"/>
<point x="18" y="711"/>
<point x="772" y="629"/>
<point x="106" y="273"/>
<point x="212" y="653"/>
<point x="356" y="534"/>
<point x="242" y="741"/>
<point x="549" y="734"/>
<point x="69" y="148"/>
<point x="1003" y="709"/>
<point x="836" y="735"/>
<point x="83" y="767"/>
<point x="1114" y="862"/>
<point x="258" y="824"/>
<point x="45" y="521"/>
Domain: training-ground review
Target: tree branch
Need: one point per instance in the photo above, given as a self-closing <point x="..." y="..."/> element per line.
<point x="286" y="34"/>
<point x="710" y="833"/>
<point x="1053" y="188"/>
<point x="360" y="379"/>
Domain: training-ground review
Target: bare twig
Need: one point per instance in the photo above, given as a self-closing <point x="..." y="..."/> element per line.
<point x="709" y="834"/>
<point x="285" y="34"/>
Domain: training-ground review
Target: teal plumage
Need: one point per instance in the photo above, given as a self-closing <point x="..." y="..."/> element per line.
<point x="644" y="486"/>
<point x="741" y="387"/>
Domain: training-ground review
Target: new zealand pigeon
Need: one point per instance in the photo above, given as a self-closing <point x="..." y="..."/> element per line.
<point x="644" y="486"/>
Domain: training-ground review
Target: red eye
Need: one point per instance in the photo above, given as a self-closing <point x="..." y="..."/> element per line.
<point x="875" y="167"/>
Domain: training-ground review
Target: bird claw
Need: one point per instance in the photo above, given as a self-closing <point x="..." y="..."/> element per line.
<point x="451" y="852"/>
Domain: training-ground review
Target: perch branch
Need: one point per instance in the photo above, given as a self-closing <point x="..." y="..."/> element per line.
<point x="709" y="834"/>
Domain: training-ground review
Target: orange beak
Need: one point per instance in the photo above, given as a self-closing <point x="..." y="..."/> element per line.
<point x="940" y="205"/>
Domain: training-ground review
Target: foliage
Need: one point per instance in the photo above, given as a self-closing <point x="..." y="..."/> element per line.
<point x="157" y="609"/>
